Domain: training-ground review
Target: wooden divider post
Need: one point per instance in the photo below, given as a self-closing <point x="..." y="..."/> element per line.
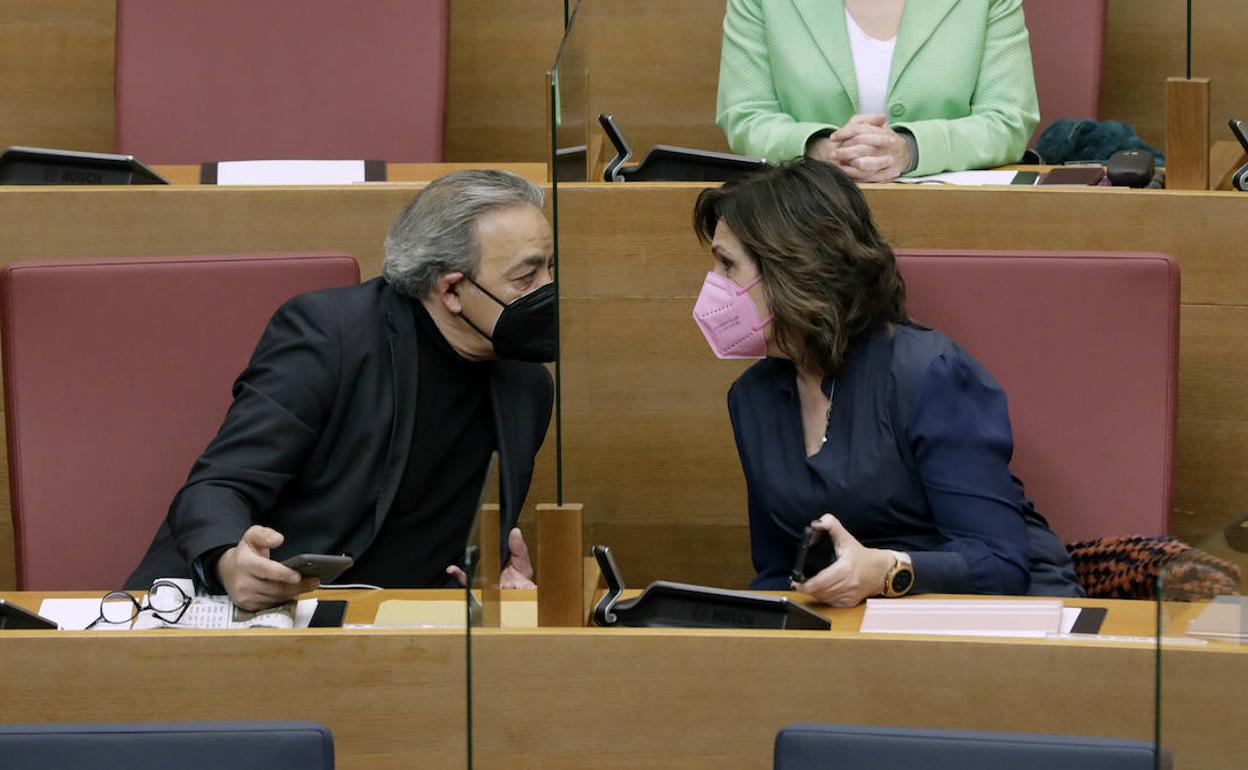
<point x="1187" y="133"/>
<point x="560" y="570"/>
<point x="489" y="540"/>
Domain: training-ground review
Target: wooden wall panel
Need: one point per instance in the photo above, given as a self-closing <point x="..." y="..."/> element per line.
<point x="496" y="100"/>
<point x="8" y="565"/>
<point x="68" y="223"/>
<point x="654" y="64"/>
<point x="1211" y="461"/>
<point x="647" y="442"/>
<point x="1145" y="43"/>
<point x="56" y="73"/>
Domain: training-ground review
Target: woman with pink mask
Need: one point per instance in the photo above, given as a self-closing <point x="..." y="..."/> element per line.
<point x="881" y="433"/>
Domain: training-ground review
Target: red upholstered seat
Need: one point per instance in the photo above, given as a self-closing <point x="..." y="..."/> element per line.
<point x="281" y="79"/>
<point x="116" y="375"/>
<point x="1067" y="38"/>
<point x="1086" y="346"/>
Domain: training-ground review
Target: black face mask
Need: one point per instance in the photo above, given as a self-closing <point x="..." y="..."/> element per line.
<point x="527" y="329"/>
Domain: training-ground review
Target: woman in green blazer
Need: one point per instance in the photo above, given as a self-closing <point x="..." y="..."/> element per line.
<point x="960" y="91"/>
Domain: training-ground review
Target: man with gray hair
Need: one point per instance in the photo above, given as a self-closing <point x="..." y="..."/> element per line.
<point x="365" y="420"/>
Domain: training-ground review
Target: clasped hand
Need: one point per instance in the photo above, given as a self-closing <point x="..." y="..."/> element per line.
<point x="865" y="148"/>
<point x="857" y="573"/>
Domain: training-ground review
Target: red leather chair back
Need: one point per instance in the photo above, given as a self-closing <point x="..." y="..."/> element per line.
<point x="1086" y="346"/>
<point x="1067" y="37"/>
<point x="281" y="79"/>
<point x="116" y="375"/>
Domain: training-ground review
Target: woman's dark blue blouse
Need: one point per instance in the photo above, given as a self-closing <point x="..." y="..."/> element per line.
<point x="916" y="459"/>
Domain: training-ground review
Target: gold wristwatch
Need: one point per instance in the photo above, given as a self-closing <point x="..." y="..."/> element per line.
<point x="900" y="577"/>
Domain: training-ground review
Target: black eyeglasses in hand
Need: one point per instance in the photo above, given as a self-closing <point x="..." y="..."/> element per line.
<point x="165" y="599"/>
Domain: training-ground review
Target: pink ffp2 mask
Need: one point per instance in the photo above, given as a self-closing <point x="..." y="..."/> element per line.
<point x="729" y="319"/>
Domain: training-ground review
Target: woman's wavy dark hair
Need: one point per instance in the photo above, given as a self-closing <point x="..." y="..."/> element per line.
<point x="828" y="273"/>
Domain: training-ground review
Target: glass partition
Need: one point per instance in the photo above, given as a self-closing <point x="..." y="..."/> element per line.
<point x="483" y="557"/>
<point x="1202" y="649"/>
<point x="1218" y="28"/>
<point x="652" y="65"/>
<point x="645" y="443"/>
<point x="569" y="99"/>
<point x="1141" y="50"/>
<point x="625" y="431"/>
<point x="1148" y="42"/>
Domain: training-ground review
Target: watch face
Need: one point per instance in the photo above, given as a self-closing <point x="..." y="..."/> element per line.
<point x="902" y="581"/>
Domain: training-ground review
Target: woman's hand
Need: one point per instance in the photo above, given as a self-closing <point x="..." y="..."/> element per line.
<point x="825" y="148"/>
<point x="869" y="151"/>
<point x="857" y="573"/>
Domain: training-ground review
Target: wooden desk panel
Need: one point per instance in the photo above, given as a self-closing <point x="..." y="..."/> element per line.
<point x="672" y="700"/>
<point x="679" y="700"/>
<point x="69" y="223"/>
<point x="388" y="697"/>
<point x="627" y="698"/>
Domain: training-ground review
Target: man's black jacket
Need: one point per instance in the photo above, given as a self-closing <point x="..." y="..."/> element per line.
<point x="317" y="438"/>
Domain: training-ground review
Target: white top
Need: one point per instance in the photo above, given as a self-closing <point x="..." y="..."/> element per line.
<point x="873" y="59"/>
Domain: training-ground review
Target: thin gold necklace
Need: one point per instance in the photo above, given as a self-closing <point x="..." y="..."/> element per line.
<point x="827" y="416"/>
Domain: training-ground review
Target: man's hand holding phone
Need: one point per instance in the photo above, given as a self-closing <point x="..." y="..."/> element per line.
<point x="252" y="579"/>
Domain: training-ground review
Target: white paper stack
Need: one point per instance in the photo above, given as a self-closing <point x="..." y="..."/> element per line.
<point x="290" y="172"/>
<point x="963" y="178"/>
<point x="964" y="617"/>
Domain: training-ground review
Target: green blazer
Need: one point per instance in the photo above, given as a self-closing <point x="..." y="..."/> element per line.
<point x="961" y="79"/>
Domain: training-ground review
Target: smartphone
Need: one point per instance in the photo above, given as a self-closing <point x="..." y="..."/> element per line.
<point x="810" y="554"/>
<point x="1073" y="175"/>
<point x="319" y="565"/>
<point x="329" y="613"/>
<point x="14" y="617"/>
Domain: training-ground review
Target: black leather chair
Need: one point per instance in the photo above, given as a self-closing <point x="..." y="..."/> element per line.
<point x="859" y="747"/>
<point x="167" y="746"/>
